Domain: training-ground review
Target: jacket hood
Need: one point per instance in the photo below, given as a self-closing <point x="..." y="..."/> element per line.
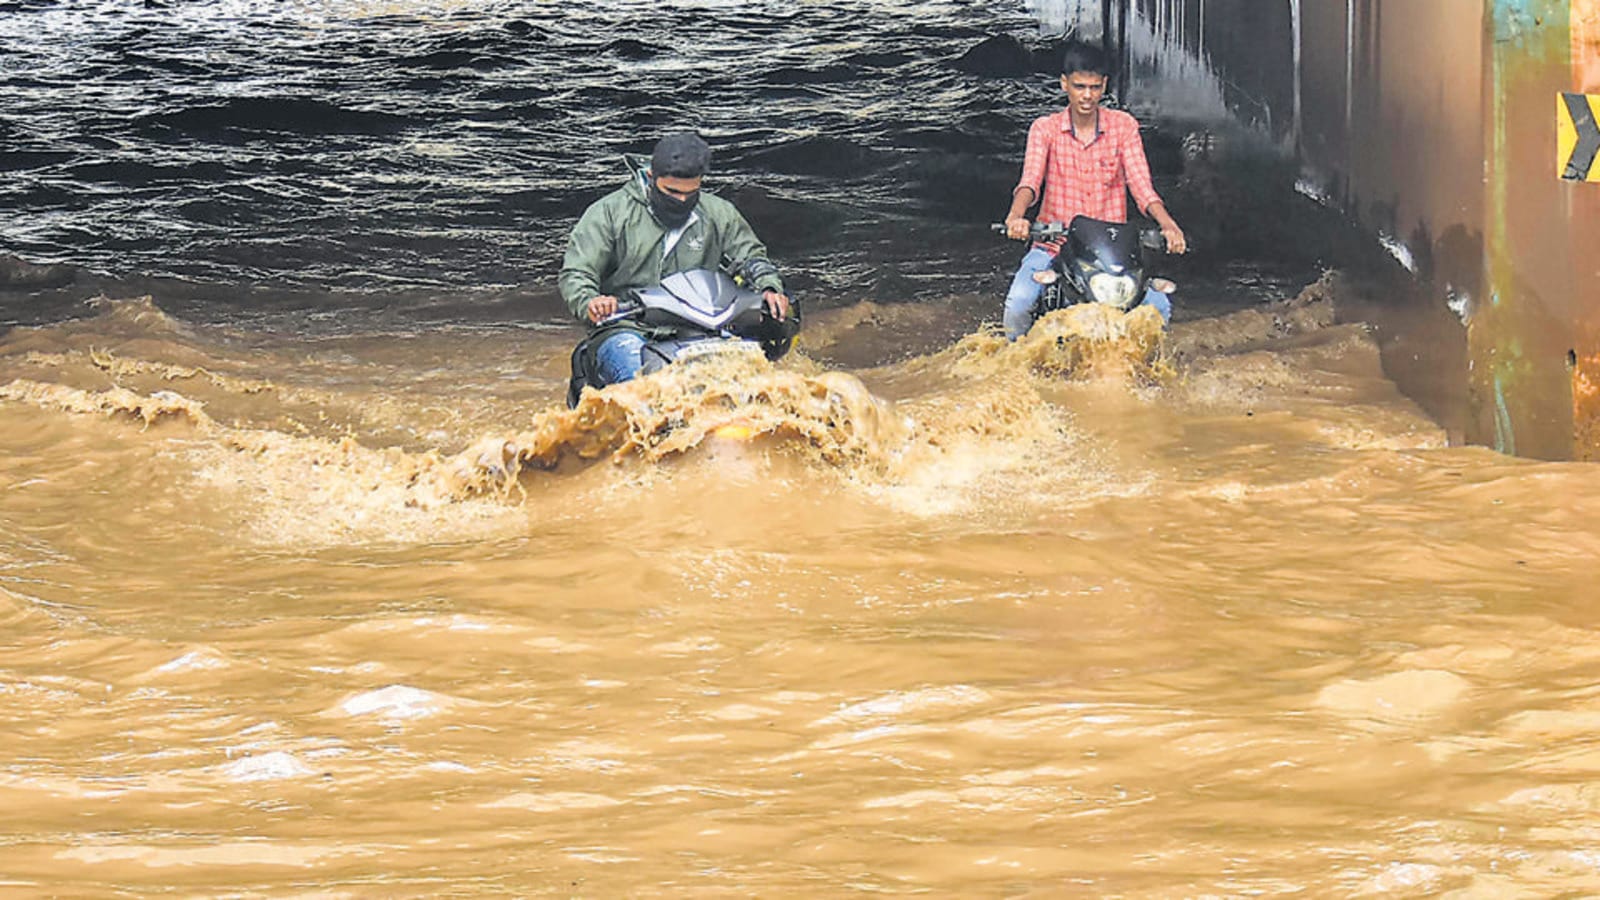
<point x="637" y="186"/>
<point x="638" y="182"/>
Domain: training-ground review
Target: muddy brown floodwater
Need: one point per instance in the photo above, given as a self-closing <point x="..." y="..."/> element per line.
<point x="1210" y="614"/>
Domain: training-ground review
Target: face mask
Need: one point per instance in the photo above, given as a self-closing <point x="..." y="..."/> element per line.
<point x="669" y="210"/>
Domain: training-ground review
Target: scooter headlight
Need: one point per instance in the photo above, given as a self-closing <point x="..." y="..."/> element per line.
<point x="1114" y="290"/>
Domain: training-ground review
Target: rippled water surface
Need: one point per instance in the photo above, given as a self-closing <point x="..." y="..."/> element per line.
<point x="311" y="585"/>
<point x="449" y="145"/>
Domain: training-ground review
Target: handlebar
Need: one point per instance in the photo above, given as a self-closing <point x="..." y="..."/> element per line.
<point x="1150" y="238"/>
<point x="1038" y="231"/>
<point x="626" y="309"/>
<point x="1153" y="239"/>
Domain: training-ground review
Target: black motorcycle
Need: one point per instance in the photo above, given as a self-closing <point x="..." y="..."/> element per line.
<point x="1101" y="262"/>
<point x="688" y="314"/>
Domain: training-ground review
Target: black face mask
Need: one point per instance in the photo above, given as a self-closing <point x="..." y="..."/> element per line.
<point x="669" y="210"/>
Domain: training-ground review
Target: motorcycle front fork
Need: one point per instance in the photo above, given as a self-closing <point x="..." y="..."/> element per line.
<point x="1050" y="300"/>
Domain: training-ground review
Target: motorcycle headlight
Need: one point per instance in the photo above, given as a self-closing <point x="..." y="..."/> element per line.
<point x="1114" y="290"/>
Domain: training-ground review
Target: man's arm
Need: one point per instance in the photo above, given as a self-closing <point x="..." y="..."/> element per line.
<point x="1177" y="241"/>
<point x="589" y="252"/>
<point x="1142" y="186"/>
<point x="1026" y="193"/>
<point x="748" y="253"/>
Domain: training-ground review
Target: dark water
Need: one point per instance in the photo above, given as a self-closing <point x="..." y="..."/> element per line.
<point x="431" y="156"/>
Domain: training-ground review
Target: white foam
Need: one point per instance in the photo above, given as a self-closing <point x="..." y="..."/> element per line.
<point x="397" y="701"/>
<point x="275" y="766"/>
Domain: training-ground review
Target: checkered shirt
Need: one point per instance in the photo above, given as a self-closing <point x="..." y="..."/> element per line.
<point x="1091" y="179"/>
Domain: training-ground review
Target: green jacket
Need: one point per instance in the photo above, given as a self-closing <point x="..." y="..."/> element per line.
<point x="617" y="245"/>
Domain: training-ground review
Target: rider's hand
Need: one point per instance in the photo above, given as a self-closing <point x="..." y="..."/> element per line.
<point x="1176" y="242"/>
<point x="602" y="306"/>
<point x="777" y="304"/>
<point x="1017" y="228"/>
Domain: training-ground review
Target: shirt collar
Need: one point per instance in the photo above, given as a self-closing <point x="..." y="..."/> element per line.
<point x="1099" y="123"/>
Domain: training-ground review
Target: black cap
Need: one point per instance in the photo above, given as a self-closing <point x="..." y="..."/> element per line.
<point x="681" y="156"/>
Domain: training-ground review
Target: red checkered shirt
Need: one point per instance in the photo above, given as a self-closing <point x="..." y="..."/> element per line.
<point x="1087" y="179"/>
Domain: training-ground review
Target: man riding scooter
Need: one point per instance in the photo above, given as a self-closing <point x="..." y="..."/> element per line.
<point x="657" y="224"/>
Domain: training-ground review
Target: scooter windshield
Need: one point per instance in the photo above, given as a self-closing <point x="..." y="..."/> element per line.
<point x="702" y="290"/>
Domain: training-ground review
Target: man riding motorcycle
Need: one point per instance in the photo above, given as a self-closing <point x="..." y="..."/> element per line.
<point x="1083" y="160"/>
<point x="659" y="223"/>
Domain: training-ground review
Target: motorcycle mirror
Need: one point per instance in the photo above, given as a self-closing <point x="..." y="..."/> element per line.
<point x="1152" y="239"/>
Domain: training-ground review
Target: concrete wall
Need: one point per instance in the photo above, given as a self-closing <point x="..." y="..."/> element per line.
<point x="1433" y="124"/>
<point x="1393" y="124"/>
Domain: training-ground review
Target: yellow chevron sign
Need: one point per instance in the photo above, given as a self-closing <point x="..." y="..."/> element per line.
<point x="1577" y="137"/>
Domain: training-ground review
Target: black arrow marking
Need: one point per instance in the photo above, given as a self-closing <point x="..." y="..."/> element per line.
<point x="1588" y="138"/>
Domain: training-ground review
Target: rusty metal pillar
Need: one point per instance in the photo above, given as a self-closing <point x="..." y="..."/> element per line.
<point x="1535" y="344"/>
<point x="1584" y="357"/>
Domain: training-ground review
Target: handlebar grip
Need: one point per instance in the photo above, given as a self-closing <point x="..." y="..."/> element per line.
<point x="625" y="310"/>
<point x="1037" y="231"/>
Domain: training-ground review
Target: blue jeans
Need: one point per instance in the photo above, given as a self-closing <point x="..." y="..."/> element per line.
<point x="1024" y="293"/>
<point x="617" y="357"/>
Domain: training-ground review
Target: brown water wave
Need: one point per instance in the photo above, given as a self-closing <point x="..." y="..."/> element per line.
<point x="324" y="442"/>
<point x="404" y="438"/>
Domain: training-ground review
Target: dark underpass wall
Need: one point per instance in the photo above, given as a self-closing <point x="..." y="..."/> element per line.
<point x="1392" y="126"/>
<point x="1436" y="127"/>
